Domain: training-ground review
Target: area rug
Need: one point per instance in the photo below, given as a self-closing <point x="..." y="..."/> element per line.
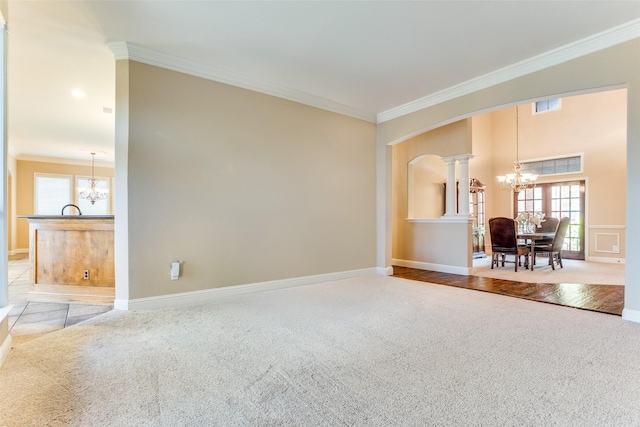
<point x="573" y="271"/>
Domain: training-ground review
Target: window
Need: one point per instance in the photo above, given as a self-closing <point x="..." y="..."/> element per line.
<point x="571" y="164"/>
<point x="101" y="207"/>
<point x="546" y="105"/>
<point x="558" y="200"/>
<point x="52" y="193"/>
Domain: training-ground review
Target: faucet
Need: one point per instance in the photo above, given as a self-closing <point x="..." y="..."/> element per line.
<point x="70" y="204"/>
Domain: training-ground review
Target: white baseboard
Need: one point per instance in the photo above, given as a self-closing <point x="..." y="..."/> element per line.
<point x="631" y="315"/>
<point x="198" y="297"/>
<point x="442" y="268"/>
<point x="385" y="271"/>
<point x="606" y="260"/>
<point x="4" y="349"/>
<point x="6" y="344"/>
<point x="19" y="251"/>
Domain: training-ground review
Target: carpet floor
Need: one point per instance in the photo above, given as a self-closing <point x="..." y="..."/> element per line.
<point x="372" y="351"/>
<point x="574" y="271"/>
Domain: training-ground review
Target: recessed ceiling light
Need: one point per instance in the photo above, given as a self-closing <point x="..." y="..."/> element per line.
<point x="78" y="93"/>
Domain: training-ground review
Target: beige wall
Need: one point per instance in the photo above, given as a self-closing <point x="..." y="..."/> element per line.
<point x="25" y="186"/>
<point x="241" y="187"/>
<point x="594" y="125"/>
<point x="612" y="67"/>
<point x="426" y="241"/>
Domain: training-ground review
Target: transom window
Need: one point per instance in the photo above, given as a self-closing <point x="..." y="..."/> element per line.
<point x="546" y="105"/>
<point x="570" y="164"/>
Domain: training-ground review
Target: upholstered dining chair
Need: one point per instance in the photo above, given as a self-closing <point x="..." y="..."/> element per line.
<point x="549" y="225"/>
<point x="554" y="249"/>
<point x="504" y="242"/>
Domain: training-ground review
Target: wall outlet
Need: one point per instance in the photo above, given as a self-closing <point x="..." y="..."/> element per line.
<point x="615" y="249"/>
<point x="175" y="270"/>
<point x="86" y="275"/>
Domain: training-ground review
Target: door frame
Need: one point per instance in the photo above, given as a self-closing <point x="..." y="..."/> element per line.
<point x="546" y="208"/>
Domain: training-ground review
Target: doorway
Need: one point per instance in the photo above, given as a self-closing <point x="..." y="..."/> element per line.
<point x="557" y="200"/>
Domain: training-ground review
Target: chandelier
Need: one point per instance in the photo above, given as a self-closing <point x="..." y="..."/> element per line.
<point x="93" y="193"/>
<point x="517" y="180"/>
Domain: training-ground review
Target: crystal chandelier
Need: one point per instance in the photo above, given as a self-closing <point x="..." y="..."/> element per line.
<point x="517" y="180"/>
<point x="93" y="193"/>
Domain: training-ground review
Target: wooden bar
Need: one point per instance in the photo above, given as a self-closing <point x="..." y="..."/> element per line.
<point x="71" y="259"/>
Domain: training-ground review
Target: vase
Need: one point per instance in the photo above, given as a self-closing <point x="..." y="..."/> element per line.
<point x="526" y="227"/>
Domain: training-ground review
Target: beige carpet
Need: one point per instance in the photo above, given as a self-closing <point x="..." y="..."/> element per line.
<point x="375" y="351"/>
<point x="574" y="271"/>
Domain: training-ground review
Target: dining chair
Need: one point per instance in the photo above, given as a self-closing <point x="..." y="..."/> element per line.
<point x="554" y="249"/>
<point x="504" y="242"/>
<point x="549" y="225"/>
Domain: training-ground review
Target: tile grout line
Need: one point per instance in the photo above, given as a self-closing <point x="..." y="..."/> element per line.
<point x="66" y="317"/>
<point x="18" y="317"/>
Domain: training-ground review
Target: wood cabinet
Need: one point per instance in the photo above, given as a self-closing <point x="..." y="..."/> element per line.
<point x="71" y="259"/>
<point x="477" y="212"/>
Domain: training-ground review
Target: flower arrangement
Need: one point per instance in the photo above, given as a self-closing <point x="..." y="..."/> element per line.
<point x="529" y="220"/>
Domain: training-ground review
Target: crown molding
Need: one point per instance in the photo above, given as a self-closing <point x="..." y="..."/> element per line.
<point x="125" y="50"/>
<point x="62" y="161"/>
<point x="588" y="45"/>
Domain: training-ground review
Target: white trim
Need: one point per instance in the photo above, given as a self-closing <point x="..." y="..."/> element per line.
<point x="62" y="161"/>
<point x="441" y="268"/>
<point x="631" y="315"/>
<point x="605" y="260"/>
<point x="19" y="251"/>
<point x="124" y="50"/>
<point x="451" y="219"/>
<point x="386" y="271"/>
<point x="5" y="348"/>
<point x="594" y="43"/>
<point x="6" y="345"/>
<point x="198" y="297"/>
<point x="606" y="227"/>
<point x="613" y="250"/>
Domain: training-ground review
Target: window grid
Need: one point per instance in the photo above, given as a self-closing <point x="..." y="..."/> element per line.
<point x="557" y="200"/>
<point x="547" y="105"/>
<point x="98" y="208"/>
<point x="53" y="191"/>
<point x="554" y="166"/>
<point x="566" y="200"/>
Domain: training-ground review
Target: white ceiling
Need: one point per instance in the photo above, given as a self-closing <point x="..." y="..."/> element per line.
<point x="369" y="59"/>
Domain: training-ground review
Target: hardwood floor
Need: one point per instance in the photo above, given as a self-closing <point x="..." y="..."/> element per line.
<point x="602" y="298"/>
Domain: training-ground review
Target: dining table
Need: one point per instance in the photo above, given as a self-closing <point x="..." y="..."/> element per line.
<point x="533" y="238"/>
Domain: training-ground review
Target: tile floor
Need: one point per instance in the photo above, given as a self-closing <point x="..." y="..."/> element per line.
<point x="30" y="320"/>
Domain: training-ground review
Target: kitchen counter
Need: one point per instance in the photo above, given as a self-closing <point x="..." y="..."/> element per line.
<point x="71" y="258"/>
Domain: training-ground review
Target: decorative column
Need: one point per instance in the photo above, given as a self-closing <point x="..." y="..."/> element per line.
<point x="463" y="201"/>
<point x="450" y="207"/>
